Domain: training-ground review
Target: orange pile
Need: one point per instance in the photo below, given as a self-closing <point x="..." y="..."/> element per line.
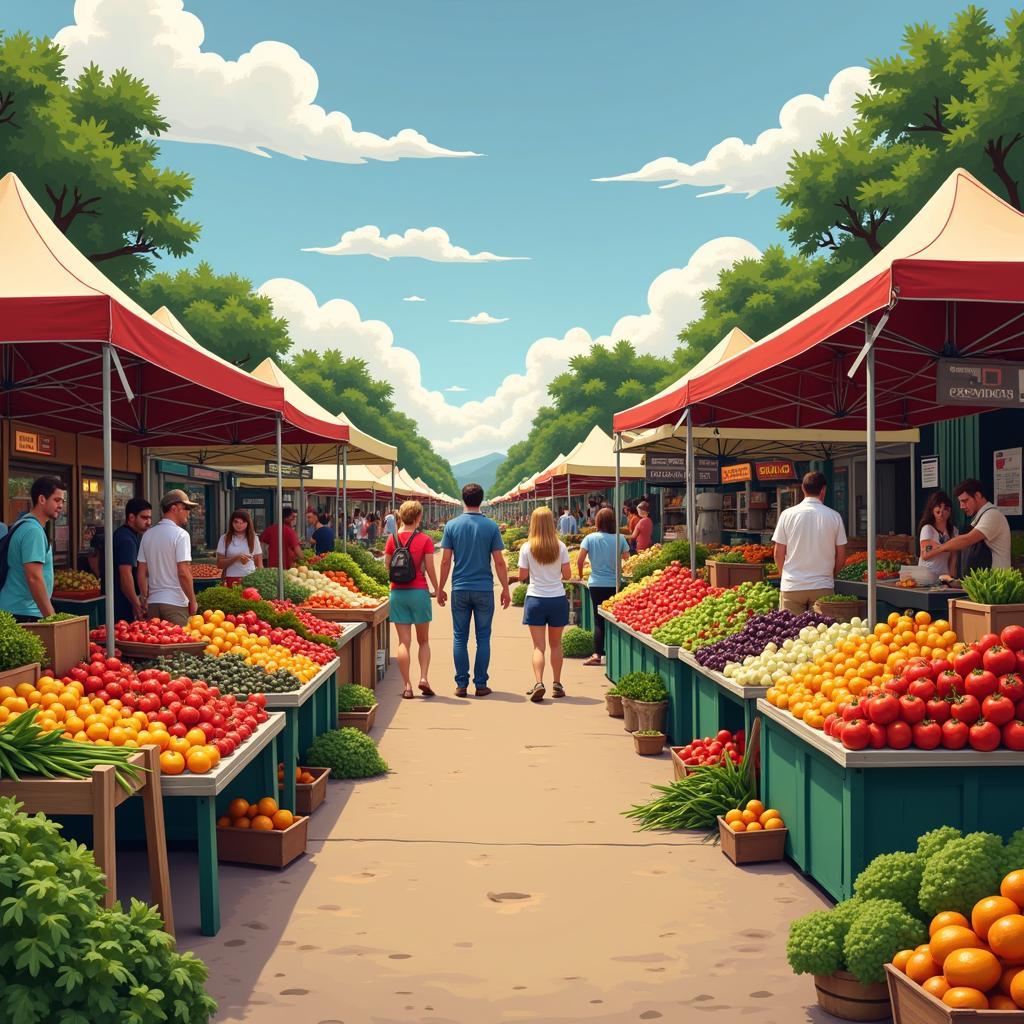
<point x="301" y="776"/>
<point x="262" y="816"/>
<point x="976" y="964"/>
<point x="754" y="818"/>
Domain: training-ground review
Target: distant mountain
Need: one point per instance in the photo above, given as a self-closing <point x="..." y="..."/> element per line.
<point x="479" y="471"/>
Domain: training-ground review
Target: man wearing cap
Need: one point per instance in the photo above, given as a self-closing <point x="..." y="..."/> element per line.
<point x="165" y="557"/>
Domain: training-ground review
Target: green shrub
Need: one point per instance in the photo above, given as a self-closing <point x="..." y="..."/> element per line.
<point x="519" y="595"/>
<point x="349" y="753"/>
<point x="68" y="960"/>
<point x="880" y="929"/>
<point x="352" y="696"/>
<point x="18" y="646"/>
<point x="577" y="643"/>
<point x="642" y="686"/>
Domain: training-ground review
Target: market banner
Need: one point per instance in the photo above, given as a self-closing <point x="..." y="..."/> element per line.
<point x="980" y="382"/>
<point x="779" y="469"/>
<point x="738" y="473"/>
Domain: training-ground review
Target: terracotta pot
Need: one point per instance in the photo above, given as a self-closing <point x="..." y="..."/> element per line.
<point x="629" y="717"/>
<point x="613" y="702"/>
<point x="358" y="718"/>
<point x="649" y="714"/>
<point x="842" y="995"/>
<point x="648" y="745"/>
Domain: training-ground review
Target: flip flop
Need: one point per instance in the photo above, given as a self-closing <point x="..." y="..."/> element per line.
<point x="425" y="689"/>
<point x="407" y="695"/>
<point x="594" y="659"/>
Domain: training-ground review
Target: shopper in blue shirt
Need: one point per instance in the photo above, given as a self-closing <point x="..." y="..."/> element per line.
<point x="475" y="543"/>
<point x="600" y="547"/>
<point x="29" y="584"/>
<point x="323" y="535"/>
<point x="138" y="518"/>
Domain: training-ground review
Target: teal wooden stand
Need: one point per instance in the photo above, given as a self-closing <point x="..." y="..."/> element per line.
<point x="718" y="702"/>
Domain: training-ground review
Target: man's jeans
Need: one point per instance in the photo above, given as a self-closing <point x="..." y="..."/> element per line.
<point x="478" y="604"/>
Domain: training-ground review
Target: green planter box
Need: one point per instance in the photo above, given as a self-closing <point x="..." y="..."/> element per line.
<point x="842" y="808"/>
<point x="586" y="608"/>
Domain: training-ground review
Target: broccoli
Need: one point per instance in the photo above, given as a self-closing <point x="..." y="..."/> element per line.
<point x="892" y="876"/>
<point x="880" y="929"/>
<point x="931" y="842"/>
<point x="815" y="943"/>
<point x="847" y="911"/>
<point x="964" y="871"/>
<point x="1013" y="858"/>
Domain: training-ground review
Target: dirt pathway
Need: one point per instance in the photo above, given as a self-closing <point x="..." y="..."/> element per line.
<point x="491" y="878"/>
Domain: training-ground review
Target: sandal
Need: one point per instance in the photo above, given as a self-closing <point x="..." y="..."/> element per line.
<point x="537" y="693"/>
<point x="557" y="690"/>
<point x="594" y="659"/>
<point x="425" y="688"/>
<point x="407" y="695"/>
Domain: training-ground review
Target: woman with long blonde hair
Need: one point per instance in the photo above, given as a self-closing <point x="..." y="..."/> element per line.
<point x="544" y="562"/>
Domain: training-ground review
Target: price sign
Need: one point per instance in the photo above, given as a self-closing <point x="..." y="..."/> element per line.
<point x="738" y="473"/>
<point x="35" y="444"/>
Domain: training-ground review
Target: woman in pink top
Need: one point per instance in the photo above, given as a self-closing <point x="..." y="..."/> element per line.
<point x="643" y="533"/>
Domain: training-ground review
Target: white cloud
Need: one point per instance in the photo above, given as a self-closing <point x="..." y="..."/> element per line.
<point x="455" y="389"/>
<point x="262" y="102"/>
<point x="413" y="298"/>
<point x="735" y="166"/>
<point x="481" y="319"/>
<point x="429" y="244"/>
<point x="477" y="427"/>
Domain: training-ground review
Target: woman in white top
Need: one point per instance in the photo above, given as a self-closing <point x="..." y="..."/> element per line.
<point x="544" y="561"/>
<point x="239" y="551"/>
<point x="936" y="527"/>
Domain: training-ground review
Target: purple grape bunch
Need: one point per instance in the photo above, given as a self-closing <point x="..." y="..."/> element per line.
<point x="756" y="635"/>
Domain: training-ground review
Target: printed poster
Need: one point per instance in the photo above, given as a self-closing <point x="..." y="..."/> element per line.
<point x="1006" y="471"/>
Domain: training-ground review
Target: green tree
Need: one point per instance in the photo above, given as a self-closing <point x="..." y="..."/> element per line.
<point x="221" y="311"/>
<point x="87" y="152"/>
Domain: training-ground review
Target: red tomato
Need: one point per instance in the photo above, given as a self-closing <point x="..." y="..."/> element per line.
<point x="947" y="682"/>
<point x="877" y="735"/>
<point x="984" y="735"/>
<point x="967" y="709"/>
<point x="927" y="734"/>
<point x="1013" y="637"/>
<point x="912" y="709"/>
<point x="856" y="734"/>
<point x="998" y="709"/>
<point x="937" y="710"/>
<point x="898" y="735"/>
<point x="1011" y="685"/>
<point x="985" y="642"/>
<point x="883" y="709"/>
<point x="923" y="689"/>
<point x="999" y="660"/>
<point x="1013" y="735"/>
<point x="966" y="661"/>
<point x="852" y="710"/>
<point x="980" y="683"/>
<point x="954" y="734"/>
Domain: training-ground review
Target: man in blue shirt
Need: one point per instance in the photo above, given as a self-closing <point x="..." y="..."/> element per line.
<point x="138" y="518"/>
<point x="323" y="536"/>
<point x="475" y="542"/>
<point x="29" y="584"/>
<point x="566" y="523"/>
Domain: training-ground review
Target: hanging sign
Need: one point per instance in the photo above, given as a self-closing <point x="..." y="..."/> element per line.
<point x="1006" y="471"/>
<point x="289" y="469"/>
<point x="980" y="382"/>
<point x="780" y="469"/>
<point x="739" y="473"/>
<point x="201" y="473"/>
<point x="930" y="471"/>
<point x="35" y="444"/>
<point x="707" y="472"/>
<point x="665" y="470"/>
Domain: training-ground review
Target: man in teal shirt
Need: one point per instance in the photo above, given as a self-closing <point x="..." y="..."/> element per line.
<point x="475" y="541"/>
<point x="29" y="584"/>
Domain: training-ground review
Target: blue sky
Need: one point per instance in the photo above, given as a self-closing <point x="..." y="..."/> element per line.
<point x="555" y="94"/>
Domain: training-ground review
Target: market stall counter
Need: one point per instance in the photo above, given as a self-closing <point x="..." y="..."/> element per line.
<point x="890" y="598"/>
<point x="372" y="651"/>
<point x="842" y="807"/>
<point x="717" y="701"/>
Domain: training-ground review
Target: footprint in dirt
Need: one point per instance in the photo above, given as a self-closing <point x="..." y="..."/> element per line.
<point x="503" y="897"/>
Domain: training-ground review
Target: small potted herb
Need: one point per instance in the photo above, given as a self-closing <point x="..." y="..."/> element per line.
<point x="357" y="707"/>
<point x="841" y="607"/>
<point x="644" y="701"/>
<point x="995" y="600"/>
<point x="649" y="741"/>
<point x="21" y="653"/>
<point x="613" y="702"/>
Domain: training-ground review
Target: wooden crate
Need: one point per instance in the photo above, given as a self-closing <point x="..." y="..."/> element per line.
<point x="21" y="674"/>
<point x="271" y="849"/>
<point x="310" y="795"/>
<point x="912" y="1005"/>
<point x="972" y="620"/>
<point x="752" y="847"/>
<point x="679" y="770"/>
<point x="361" y="719"/>
<point x="150" y="651"/>
<point x="732" y="574"/>
<point x="66" y="641"/>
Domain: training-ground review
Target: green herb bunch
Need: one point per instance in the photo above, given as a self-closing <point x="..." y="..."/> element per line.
<point x="642" y="686"/>
<point x="352" y="696"/>
<point x="18" y="646"/>
<point x="373" y="567"/>
<point x="60" y="617"/>
<point x="995" y="586"/>
<point x="265" y="581"/>
<point x="341" y="561"/>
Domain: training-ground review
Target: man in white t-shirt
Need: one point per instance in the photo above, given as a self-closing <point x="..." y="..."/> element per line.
<point x="165" y="557"/>
<point x="810" y="547"/>
<point x="987" y="542"/>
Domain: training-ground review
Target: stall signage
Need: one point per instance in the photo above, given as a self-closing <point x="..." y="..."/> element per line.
<point x="177" y="468"/>
<point x="1006" y="472"/>
<point x="35" y="444"/>
<point x="669" y="470"/>
<point x="289" y="469"/>
<point x="200" y="473"/>
<point x="739" y="473"/>
<point x="930" y="471"/>
<point x="980" y="382"/>
<point x="707" y="472"/>
<point x="768" y="472"/>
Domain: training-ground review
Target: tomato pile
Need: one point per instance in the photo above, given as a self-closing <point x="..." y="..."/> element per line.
<point x="145" y="631"/>
<point x="973" y="698"/>
<point x="724" y="745"/>
<point x="668" y="595"/>
<point x="204" y="572"/>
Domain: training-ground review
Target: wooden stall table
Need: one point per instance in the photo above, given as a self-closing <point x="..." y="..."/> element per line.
<point x="718" y="701"/>
<point x="307" y="713"/>
<point x="93" y="607"/>
<point x="890" y="598"/>
<point x="203" y="791"/>
<point x="376" y="637"/>
<point x="99" y="796"/>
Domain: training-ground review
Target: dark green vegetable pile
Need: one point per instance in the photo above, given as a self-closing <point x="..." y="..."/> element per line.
<point x="995" y="586"/>
<point x="18" y="646"/>
<point x="229" y="673"/>
<point x="373" y="567"/>
<point x="349" y="753"/>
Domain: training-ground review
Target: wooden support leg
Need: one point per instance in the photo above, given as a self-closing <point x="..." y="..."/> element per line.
<point x="103" y="843"/>
<point x="209" y="882"/>
<point x="332" y="694"/>
<point x="290" y="756"/>
<point x="156" y="842"/>
<point x="272" y="756"/>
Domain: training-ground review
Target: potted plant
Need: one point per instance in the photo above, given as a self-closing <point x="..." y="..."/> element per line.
<point x="731" y="568"/>
<point x="649" y="741"/>
<point x="357" y="707"/>
<point x="347" y="753"/>
<point x="613" y="702"/>
<point x="841" y="607"/>
<point x="995" y="600"/>
<point x="21" y="653"/>
<point x="66" y="639"/>
<point x="644" y="701"/>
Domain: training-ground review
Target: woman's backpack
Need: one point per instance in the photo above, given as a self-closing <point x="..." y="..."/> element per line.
<point x="402" y="569"/>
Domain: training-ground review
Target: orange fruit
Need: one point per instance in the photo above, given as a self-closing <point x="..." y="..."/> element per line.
<point x="987" y="911"/>
<point x="171" y="763"/>
<point x="306" y="779"/>
<point x="1007" y="980"/>
<point x="738" y="826"/>
<point x="899" y="961"/>
<point x="282" y="819"/>
<point x="732" y="816"/>
<point x="937" y="986"/>
<point x="966" y="998"/>
<point x="755" y="826"/>
<point x="923" y="948"/>
<point x="261" y="823"/>
<point x="237" y="807"/>
<point x="179" y="745"/>
<point x="772" y="824"/>
<point x="253" y="810"/>
<point x="196" y="737"/>
<point x="972" y="968"/>
<point x="1001" y="1002"/>
<point x="748" y="817"/>
<point x="920" y="967"/>
<point x="768" y="815"/>
<point x="224" y="822"/>
<point x="1006" y="937"/>
<point x="952" y="937"/>
<point x="198" y="761"/>
<point x="267" y="806"/>
<point x="946" y="918"/>
<point x="1013" y="887"/>
<point x="1017" y="989"/>
<point x="756" y="806"/>
<point x="242" y="822"/>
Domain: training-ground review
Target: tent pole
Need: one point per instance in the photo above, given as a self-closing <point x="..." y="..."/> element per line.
<point x="871" y="498"/>
<point x="302" y="503"/>
<point x="344" y="498"/>
<point x="913" y="490"/>
<point x="568" y="493"/>
<point x="280" y="516"/>
<point x="691" y="494"/>
<point x="617" y="506"/>
<point x="108" y="506"/>
<point x="337" y="492"/>
<point x="392" y="509"/>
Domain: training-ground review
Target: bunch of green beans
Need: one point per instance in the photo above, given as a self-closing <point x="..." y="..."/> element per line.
<point x="696" y="800"/>
<point x="26" y="748"/>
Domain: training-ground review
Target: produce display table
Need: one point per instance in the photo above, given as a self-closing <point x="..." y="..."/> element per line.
<point x="308" y="711"/>
<point x="377" y="637"/>
<point x="203" y="790"/>
<point x="91" y="606"/>
<point x="99" y="796"/>
<point x="346" y="651"/>
<point x="842" y="808"/>
<point x="719" y="702"/>
<point x="934" y="600"/>
<point x="629" y="651"/>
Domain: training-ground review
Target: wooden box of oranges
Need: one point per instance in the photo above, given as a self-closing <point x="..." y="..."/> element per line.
<point x="273" y="838"/>
<point x="310" y="787"/>
<point x="752" y="834"/>
<point x="911" y="1004"/>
